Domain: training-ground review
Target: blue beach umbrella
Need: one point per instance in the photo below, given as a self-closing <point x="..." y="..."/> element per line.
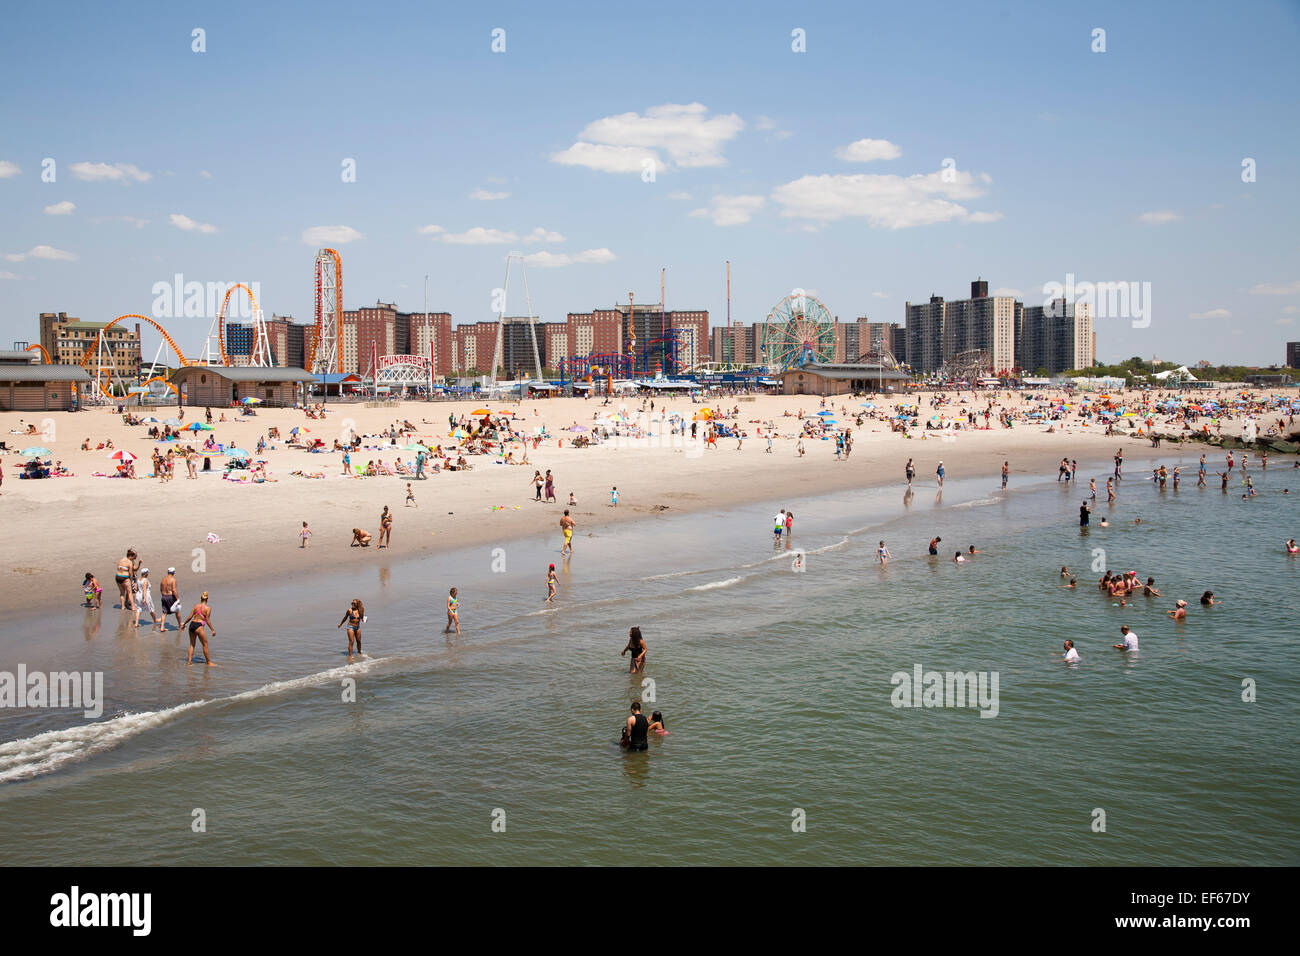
<point x="236" y="453"/>
<point x="34" y="452"/>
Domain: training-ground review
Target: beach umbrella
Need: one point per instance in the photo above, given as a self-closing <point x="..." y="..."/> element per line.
<point x="151" y="421"/>
<point x="121" y="455"/>
<point x="250" y="400"/>
<point x="829" y="421"/>
<point x="34" y="452"/>
<point x="237" y="453"/>
<point x="459" y="433"/>
<point x="193" y="427"/>
<point x="173" y="422"/>
<point x="825" y="414"/>
<point x="210" y="453"/>
<point x="576" y="428"/>
<point x="480" y="411"/>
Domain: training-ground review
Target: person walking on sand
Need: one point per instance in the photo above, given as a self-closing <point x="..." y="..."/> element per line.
<point x="635" y="644"/>
<point x="355" y="616"/>
<point x="171" y="598"/>
<point x="613" y="496"/>
<point x="453" y="612"/>
<point x="200" y="622"/>
<point x="550" y="487"/>
<point x="305" y="534"/>
<point x="538" y="482"/>
<point x="567" y="524"/>
<point x="347" y="462"/>
<point x="410" y="496"/>
<point x="938" y="474"/>
<point x="385" y="528"/>
<point x="911" y="472"/>
<point x="124" y="576"/>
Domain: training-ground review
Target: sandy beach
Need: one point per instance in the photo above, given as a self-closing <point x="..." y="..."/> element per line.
<point x="58" y="529"/>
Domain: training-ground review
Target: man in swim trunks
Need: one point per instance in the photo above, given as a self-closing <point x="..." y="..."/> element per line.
<point x="171" y="598"/>
<point x="934" y="544"/>
<point x="567" y="525"/>
<point x="637" y="727"/>
<point x="1084" y="512"/>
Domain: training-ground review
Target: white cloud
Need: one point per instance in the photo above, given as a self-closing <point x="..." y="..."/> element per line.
<point x="607" y="159"/>
<point x="477" y="236"/>
<point x="881" y="295"/>
<point x="64" y="208"/>
<point x="867" y="150"/>
<point x="686" y="133"/>
<point x="1277" y="288"/>
<point x="730" y="210"/>
<point x="1159" y="217"/>
<point x="885" y="201"/>
<point x="8" y="170"/>
<point x="203" y="173"/>
<point x="554" y="260"/>
<point x="104" y="172"/>
<point x="542" y="235"/>
<point x="330" y="235"/>
<point x="134" y="221"/>
<point x="768" y="125"/>
<point x="1211" y="314"/>
<point x="486" y="196"/>
<point x="679" y="195"/>
<point x="42" y="252"/>
<point x="190" y="225"/>
<point x="9" y="275"/>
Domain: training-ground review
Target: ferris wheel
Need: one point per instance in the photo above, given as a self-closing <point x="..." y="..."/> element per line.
<point x="799" y="330"/>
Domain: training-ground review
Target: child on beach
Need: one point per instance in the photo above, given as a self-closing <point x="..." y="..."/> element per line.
<point x="453" y="612"/>
<point x="572" y="500"/>
<point x="94" y="593"/>
<point x="305" y="533"/>
<point x="410" y="496"/>
<point x="613" y="497"/>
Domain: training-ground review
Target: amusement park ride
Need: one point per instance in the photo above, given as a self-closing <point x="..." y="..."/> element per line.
<point x="323" y="350"/>
<point x="799" y="331"/>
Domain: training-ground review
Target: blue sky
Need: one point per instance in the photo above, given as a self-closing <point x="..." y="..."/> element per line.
<point x="1115" y="166"/>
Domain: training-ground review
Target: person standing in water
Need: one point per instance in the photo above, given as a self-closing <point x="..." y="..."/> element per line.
<point x="567" y="525"/>
<point x="1084" y="512"/>
<point x="938" y="474"/>
<point x="355" y="615"/>
<point x="200" y="622"/>
<point x="552" y="585"/>
<point x="883" y="555"/>
<point x="453" y="612"/>
<point x="637" y="728"/>
<point x="1005" y="468"/>
<point x="911" y="472"/>
<point x="635" y="644"/>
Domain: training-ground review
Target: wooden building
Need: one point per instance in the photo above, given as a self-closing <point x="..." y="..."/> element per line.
<point x="218" y="386"/>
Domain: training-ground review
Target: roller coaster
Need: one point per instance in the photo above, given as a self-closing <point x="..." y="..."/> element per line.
<point x="99" y="360"/>
<point x="660" y="354"/>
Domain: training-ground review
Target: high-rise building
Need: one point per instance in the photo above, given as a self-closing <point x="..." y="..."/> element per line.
<point x="67" y="339"/>
<point x="738" y="348"/>
<point x="416" y="331"/>
<point x="1293" y="355"/>
<point x="938" y="331"/>
<point x="366" y="332"/>
<point x="599" y="332"/>
<point x="518" y="335"/>
<point x="925" y="334"/>
<point x="1056" y="338"/>
<point x="875" y="337"/>
<point x="647" y="327"/>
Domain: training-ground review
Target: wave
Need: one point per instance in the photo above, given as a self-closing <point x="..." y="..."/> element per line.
<point x="45" y="752"/>
<point x="717" y="584"/>
<point x="976" y="503"/>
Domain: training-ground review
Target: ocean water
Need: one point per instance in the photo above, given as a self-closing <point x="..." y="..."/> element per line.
<point x="785" y="746"/>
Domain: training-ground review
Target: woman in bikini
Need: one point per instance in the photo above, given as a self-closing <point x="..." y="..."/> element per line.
<point x="453" y="612"/>
<point x="354" y="616"/>
<point x="200" y="622"/>
<point x="125" y="577"/>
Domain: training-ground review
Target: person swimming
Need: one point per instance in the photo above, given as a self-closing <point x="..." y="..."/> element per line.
<point x="1208" y="599"/>
<point x="1291" y="547"/>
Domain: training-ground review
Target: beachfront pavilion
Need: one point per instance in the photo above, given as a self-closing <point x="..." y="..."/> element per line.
<point x="222" y="385"/>
<point x="28" y="387"/>
<point x="842" y="378"/>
